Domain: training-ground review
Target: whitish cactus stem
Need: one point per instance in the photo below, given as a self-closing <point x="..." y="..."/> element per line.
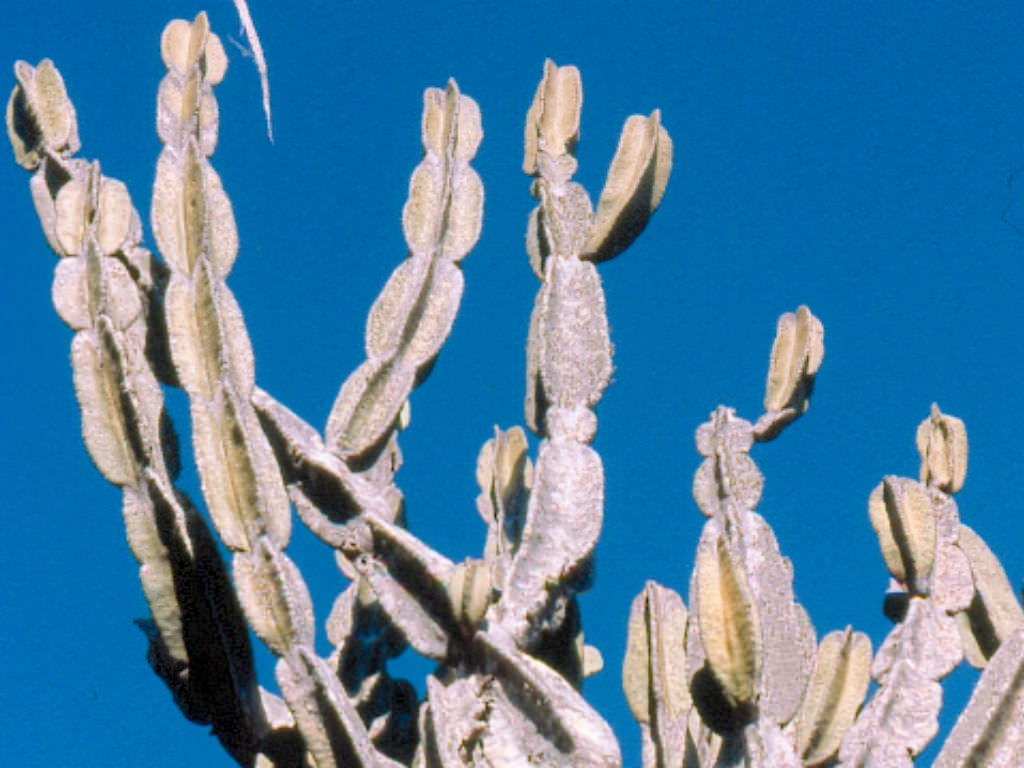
<point x="101" y="289"/>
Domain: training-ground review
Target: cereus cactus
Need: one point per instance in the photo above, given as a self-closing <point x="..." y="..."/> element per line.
<point x="741" y="678"/>
<point x="734" y="675"/>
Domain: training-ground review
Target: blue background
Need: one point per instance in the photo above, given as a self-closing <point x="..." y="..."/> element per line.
<point x="863" y="158"/>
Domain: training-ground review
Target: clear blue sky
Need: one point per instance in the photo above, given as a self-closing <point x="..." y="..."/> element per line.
<point x="857" y="157"/>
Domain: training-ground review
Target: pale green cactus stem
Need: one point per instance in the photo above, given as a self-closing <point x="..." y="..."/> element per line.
<point x="901" y="514"/>
<point x="729" y="626"/>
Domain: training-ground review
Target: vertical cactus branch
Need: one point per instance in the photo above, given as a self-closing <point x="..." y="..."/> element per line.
<point x="569" y="351"/>
<point x="758" y="687"/>
<point x="198" y="640"/>
<point x="544" y="519"/>
<point x="195" y="230"/>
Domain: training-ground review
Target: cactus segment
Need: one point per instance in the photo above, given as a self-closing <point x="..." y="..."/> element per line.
<point x="41" y="119"/>
<point x="994" y="613"/>
<point x="471" y="591"/>
<point x="184" y="44"/>
<point x="504" y="474"/>
<point x="436" y="201"/>
<point x="795" y="359"/>
<point x="202" y="314"/>
<point x="796" y="355"/>
<point x="636" y="664"/>
<point x="634" y="187"/>
<point x="422" y="632"/>
<point x="96" y="209"/>
<point x="787" y="636"/>
<point x="592" y="658"/>
<point x="192" y="216"/>
<point x="654" y="668"/>
<point x="654" y="673"/>
<point x="574" y="733"/>
<point x="522" y="713"/>
<point x="82" y="286"/>
<point x="942" y="443"/>
<point x="104" y="424"/>
<point x="562" y="526"/>
<point x="902" y="715"/>
<point x="727" y="621"/>
<point x="835" y="693"/>
<point x="902" y="515"/>
<point x="575" y="349"/>
<point x="232" y="483"/>
<point x="367" y="406"/>
<point x="433" y="290"/>
<point x="553" y="120"/>
<point x="274" y="596"/>
<point x="988" y="731"/>
<point x="727" y="476"/>
<point x="442" y="217"/>
<point x="334" y="734"/>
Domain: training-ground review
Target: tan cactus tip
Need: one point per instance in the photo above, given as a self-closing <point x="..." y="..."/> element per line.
<point x="796" y="355"/>
<point x="593" y="660"/>
<point x="553" y="121"/>
<point x="184" y="43"/>
<point x="835" y="693"/>
<point x="654" y="667"/>
<point x="942" y="443"/>
<point x="470" y="588"/>
<point x="902" y="515"/>
<point x="503" y="467"/>
<point x="40" y="115"/>
<point x="729" y="631"/>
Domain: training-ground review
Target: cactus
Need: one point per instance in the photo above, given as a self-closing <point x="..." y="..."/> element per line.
<point x="733" y="675"/>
